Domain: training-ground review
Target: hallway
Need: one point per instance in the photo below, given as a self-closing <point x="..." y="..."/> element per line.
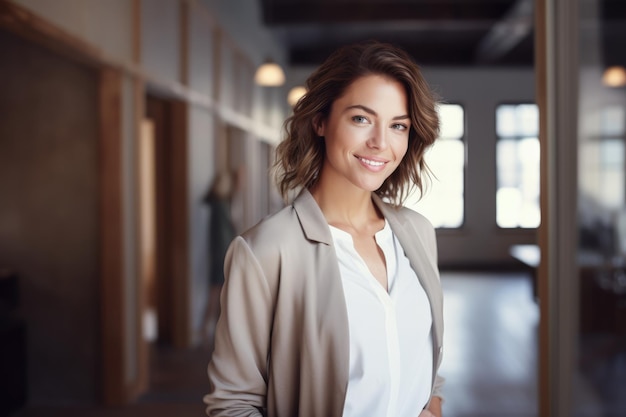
<point x="489" y="362"/>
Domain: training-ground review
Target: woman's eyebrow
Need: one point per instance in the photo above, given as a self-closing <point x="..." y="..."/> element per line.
<point x="372" y="112"/>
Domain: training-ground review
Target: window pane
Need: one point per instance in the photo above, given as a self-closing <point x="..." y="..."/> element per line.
<point x="517" y="162"/>
<point x="528" y="117"/>
<point x="443" y="201"/>
<point x="505" y="121"/>
<point x="451" y="117"/>
<point x="610" y="173"/>
<point x="515" y="120"/>
<point x="612" y="121"/>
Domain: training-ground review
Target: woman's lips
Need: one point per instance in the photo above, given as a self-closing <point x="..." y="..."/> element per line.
<point x="371" y="163"/>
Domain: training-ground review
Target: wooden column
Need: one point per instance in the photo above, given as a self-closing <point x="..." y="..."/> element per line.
<point x="179" y="157"/>
<point x="111" y="231"/>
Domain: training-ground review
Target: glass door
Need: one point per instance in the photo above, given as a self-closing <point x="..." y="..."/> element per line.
<point x="599" y="388"/>
<point x="581" y="91"/>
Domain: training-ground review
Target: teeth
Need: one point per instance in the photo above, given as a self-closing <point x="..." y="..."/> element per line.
<point x="372" y="163"/>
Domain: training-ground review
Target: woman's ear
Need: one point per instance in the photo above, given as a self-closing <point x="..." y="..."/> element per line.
<point x="319" y="125"/>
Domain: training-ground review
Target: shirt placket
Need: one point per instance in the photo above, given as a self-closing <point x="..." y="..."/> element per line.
<point x="391" y="325"/>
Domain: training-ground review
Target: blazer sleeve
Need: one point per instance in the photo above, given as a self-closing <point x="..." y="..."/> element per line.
<point x="438" y="388"/>
<point x="432" y="246"/>
<point x="430" y="240"/>
<point x="238" y="368"/>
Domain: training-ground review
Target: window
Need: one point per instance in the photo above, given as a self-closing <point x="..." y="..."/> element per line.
<point x="602" y="158"/>
<point x="517" y="165"/>
<point x="443" y="202"/>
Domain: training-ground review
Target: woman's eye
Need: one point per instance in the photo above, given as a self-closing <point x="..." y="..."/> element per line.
<point x="399" y="126"/>
<point x="359" y="119"/>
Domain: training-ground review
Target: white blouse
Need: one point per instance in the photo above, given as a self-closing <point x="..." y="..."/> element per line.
<point x="391" y="352"/>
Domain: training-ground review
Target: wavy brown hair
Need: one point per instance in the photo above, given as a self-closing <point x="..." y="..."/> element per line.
<point x="300" y="156"/>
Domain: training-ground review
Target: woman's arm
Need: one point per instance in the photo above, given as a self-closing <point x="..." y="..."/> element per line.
<point x="434" y="408"/>
<point x="238" y="370"/>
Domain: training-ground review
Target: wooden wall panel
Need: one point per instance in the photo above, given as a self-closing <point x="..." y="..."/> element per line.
<point x="111" y="229"/>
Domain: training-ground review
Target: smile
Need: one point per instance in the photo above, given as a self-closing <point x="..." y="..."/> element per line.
<point x="371" y="163"/>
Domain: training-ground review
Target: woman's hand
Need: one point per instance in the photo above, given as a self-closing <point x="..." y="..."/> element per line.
<point x="434" y="408"/>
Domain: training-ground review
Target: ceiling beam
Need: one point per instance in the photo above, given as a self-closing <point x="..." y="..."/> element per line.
<point x="505" y="35"/>
<point x="613" y="10"/>
<point x="424" y="54"/>
<point x="281" y="12"/>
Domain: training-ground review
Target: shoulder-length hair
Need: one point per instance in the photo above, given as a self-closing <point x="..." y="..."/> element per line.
<point x="300" y="156"/>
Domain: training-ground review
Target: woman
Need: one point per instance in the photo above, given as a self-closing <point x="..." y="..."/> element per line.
<point x="333" y="306"/>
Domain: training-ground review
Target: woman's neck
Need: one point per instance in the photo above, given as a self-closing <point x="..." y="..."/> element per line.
<point x="346" y="208"/>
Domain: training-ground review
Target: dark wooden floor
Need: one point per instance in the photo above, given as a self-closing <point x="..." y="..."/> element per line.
<point x="490" y="358"/>
<point x="490" y="342"/>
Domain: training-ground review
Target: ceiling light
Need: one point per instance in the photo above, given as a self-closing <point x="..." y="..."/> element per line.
<point x="270" y="74"/>
<point x="614" y="76"/>
<point x="295" y="94"/>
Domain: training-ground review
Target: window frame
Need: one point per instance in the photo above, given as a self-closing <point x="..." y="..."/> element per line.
<point x="517" y="228"/>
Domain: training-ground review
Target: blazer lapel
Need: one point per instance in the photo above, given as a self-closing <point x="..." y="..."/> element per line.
<point x="329" y="299"/>
<point x="415" y="249"/>
<point x="311" y="218"/>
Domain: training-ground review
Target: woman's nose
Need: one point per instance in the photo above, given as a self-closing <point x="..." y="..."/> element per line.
<point x="378" y="139"/>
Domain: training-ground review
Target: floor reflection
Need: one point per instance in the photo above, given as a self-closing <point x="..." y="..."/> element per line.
<point x="601" y="387"/>
<point x="490" y="358"/>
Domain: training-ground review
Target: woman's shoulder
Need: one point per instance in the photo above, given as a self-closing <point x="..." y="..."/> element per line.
<point x="273" y="229"/>
<point x="403" y="212"/>
<point x="416" y="217"/>
<point x="300" y="221"/>
<point x="276" y="242"/>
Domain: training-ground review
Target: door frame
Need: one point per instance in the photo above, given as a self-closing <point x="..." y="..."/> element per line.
<point x="556" y="69"/>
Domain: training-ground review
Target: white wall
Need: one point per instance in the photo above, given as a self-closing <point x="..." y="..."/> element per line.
<point x="160" y="39"/>
<point x="242" y="20"/>
<point x="106" y="25"/>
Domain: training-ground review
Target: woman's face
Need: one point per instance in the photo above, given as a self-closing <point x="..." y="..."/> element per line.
<point x="366" y="133"/>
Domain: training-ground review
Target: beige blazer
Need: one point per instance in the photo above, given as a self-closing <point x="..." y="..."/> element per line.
<point x="282" y="347"/>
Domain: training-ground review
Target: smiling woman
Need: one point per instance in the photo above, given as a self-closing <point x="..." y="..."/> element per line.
<point x="333" y="306"/>
<point x="366" y="136"/>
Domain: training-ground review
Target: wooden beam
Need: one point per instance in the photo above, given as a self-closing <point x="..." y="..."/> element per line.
<point x="137" y="32"/>
<point x="184" y="29"/>
<point x="182" y="337"/>
<point x="557" y="76"/>
<point x="142" y="353"/>
<point x="277" y="13"/>
<point x="112" y="288"/>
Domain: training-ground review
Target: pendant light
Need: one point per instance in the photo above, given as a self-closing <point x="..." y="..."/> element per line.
<point x="614" y="76"/>
<point x="269" y="74"/>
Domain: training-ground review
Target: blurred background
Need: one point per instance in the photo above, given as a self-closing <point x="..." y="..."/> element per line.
<point x="117" y="116"/>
